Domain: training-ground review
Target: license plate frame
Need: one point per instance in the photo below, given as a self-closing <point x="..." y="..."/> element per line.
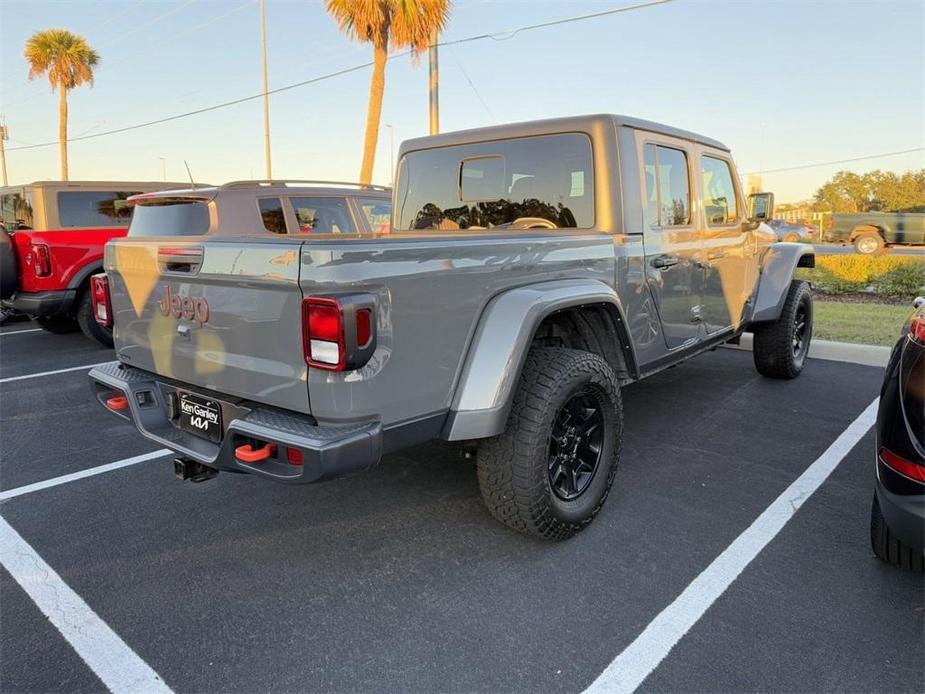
<point x="200" y="416"/>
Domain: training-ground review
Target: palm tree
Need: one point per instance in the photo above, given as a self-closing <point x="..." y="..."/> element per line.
<point x="68" y="61"/>
<point x="386" y="23"/>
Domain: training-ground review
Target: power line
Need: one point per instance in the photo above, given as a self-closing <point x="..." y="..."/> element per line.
<point x="837" y="161"/>
<point x="498" y="36"/>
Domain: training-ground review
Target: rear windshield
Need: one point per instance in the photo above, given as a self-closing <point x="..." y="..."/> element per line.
<point x="534" y="182"/>
<point x="170" y="219"/>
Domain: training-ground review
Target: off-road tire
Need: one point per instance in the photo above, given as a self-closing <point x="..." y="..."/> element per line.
<point x="513" y="468"/>
<point x="87" y="321"/>
<point x="868" y="243"/>
<point x="887" y="547"/>
<point x="774" y="344"/>
<point x="59" y="324"/>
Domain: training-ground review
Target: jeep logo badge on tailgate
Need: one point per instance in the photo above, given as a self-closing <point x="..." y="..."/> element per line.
<point x="184" y="307"/>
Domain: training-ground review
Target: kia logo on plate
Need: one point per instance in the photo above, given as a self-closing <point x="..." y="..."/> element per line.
<point x="186" y="307"/>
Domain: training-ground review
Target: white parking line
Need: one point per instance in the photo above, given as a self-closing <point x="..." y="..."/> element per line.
<point x="20" y="332"/>
<point x="110" y="658"/>
<point x="74" y="476"/>
<point x="86" y="367"/>
<point x="637" y="661"/>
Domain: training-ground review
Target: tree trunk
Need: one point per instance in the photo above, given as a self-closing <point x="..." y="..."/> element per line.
<point x="62" y="129"/>
<point x="373" y="113"/>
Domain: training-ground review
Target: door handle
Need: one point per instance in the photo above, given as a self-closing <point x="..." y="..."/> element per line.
<point x="664" y="261"/>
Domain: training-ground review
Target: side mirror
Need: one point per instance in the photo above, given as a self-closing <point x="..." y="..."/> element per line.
<point x="761" y="207"/>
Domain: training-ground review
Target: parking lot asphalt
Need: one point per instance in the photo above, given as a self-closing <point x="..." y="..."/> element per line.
<point x="398" y="578"/>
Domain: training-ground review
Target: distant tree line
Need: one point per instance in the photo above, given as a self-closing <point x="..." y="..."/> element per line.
<point x="875" y="191"/>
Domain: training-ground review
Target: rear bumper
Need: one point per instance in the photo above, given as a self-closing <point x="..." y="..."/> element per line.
<point x="43" y="303"/>
<point x="904" y="515"/>
<point x="328" y="451"/>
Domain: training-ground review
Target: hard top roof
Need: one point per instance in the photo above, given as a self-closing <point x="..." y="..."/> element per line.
<point x="280" y="187"/>
<point x="553" y="125"/>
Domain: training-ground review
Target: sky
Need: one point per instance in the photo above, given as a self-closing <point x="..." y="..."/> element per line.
<point x="784" y="84"/>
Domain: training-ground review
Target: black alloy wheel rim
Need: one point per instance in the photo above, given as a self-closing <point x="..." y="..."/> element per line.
<point x="800" y="324"/>
<point x="575" y="445"/>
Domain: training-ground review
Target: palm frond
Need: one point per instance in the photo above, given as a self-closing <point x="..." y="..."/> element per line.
<point x="65" y="58"/>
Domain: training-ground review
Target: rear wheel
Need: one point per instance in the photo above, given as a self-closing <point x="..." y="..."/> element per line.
<point x="780" y="348"/>
<point x="868" y="242"/>
<point x="87" y="321"/>
<point x="551" y="470"/>
<point x="59" y="324"/>
<point x="887" y="547"/>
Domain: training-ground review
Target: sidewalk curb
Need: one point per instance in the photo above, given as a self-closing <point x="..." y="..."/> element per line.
<point x="866" y="355"/>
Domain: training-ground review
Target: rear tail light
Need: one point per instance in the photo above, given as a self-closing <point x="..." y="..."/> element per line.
<point x="99" y="296"/>
<point x="338" y="333"/>
<point x="904" y="467"/>
<point x="41" y="260"/>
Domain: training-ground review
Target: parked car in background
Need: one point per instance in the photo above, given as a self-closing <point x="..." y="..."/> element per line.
<point x="870" y="232"/>
<point x="792" y="231"/>
<point x="51" y="241"/>
<point x="523" y="283"/>
<point x="897" y="518"/>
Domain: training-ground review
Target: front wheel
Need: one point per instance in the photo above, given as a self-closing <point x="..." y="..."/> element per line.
<point x="780" y="348"/>
<point x="551" y="470"/>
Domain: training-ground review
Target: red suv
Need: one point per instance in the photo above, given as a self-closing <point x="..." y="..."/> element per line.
<point x="53" y="241"/>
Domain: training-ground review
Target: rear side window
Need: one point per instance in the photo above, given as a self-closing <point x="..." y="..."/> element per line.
<point x="378" y="213"/>
<point x="668" y="193"/>
<point x="719" y="193"/>
<point x="531" y="182"/>
<point x="170" y="219"/>
<point x="89" y="208"/>
<point x="271" y="211"/>
<point x="16" y="210"/>
<point x="323" y="215"/>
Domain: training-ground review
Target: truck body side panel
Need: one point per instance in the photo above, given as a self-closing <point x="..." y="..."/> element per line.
<point x="70" y="252"/>
<point x="431" y="291"/>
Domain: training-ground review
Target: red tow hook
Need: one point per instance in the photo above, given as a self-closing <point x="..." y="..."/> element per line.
<point x="248" y="454"/>
<point x="117" y="403"/>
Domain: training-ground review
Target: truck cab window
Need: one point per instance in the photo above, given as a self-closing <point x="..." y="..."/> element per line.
<point x="719" y="193"/>
<point x="668" y="194"/>
<point x="323" y="215"/>
<point x="271" y="211"/>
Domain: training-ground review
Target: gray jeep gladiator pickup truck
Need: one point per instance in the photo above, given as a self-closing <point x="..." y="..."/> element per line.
<point x="531" y="271"/>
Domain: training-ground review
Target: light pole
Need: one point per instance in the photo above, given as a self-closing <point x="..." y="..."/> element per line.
<point x="391" y="154"/>
<point x="266" y="89"/>
<point x="433" y="86"/>
<point x="163" y="168"/>
<point x="4" y="136"/>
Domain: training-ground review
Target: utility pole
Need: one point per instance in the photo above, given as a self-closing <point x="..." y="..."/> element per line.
<point x="434" y="86"/>
<point x="391" y="154"/>
<point x="266" y="89"/>
<point x="4" y="136"/>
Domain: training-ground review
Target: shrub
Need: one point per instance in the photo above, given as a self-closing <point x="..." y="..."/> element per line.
<point x="887" y="275"/>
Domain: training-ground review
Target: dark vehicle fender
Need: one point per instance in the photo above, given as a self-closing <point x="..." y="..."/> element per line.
<point x="483" y="396"/>
<point x="83" y="274"/>
<point x="777" y="268"/>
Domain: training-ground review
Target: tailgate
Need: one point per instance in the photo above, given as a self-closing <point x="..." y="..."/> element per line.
<point x="220" y="314"/>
